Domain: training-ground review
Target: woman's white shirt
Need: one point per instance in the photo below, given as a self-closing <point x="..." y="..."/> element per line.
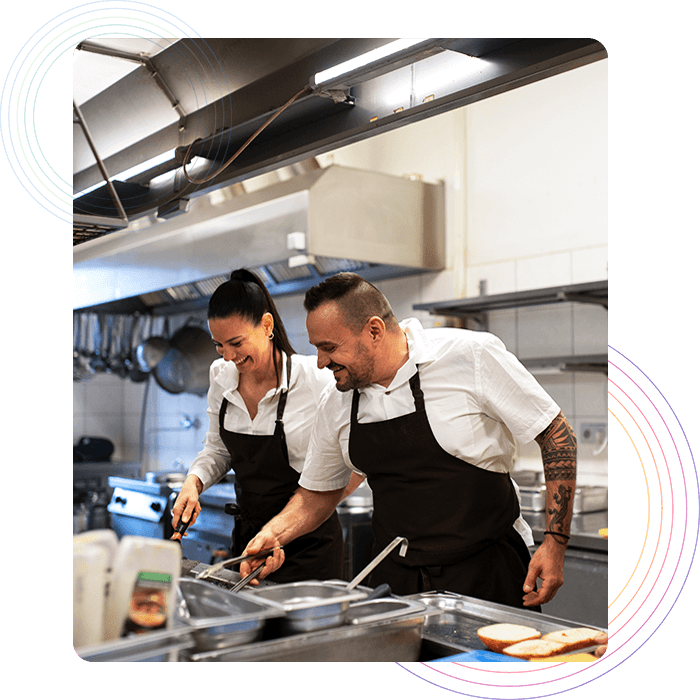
<point x="307" y="383"/>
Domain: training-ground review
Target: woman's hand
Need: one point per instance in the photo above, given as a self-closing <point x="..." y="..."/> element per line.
<point x="187" y="506"/>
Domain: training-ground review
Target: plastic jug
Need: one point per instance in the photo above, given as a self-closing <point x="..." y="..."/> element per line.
<point x="143" y="587"/>
<point x="93" y="557"/>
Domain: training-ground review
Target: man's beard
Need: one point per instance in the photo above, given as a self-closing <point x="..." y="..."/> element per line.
<point x="361" y="374"/>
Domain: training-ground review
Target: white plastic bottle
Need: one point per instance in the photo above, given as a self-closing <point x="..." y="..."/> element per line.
<point x="143" y="588"/>
<point x="93" y="557"/>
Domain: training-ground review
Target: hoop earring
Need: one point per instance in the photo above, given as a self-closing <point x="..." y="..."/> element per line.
<point x="272" y="335"/>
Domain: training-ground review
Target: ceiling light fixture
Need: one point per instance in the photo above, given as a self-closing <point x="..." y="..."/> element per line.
<point x="131" y="172"/>
<point x="377" y="61"/>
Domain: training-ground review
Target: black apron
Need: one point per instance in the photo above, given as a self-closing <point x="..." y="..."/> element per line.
<point x="264" y="482"/>
<point x="458" y="518"/>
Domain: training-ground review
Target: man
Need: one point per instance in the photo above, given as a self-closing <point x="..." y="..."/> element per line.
<point x="430" y="417"/>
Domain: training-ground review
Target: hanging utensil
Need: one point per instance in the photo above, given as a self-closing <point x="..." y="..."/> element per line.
<point x="153" y="349"/>
<point x="120" y="359"/>
<point x="81" y="371"/>
<point x="185" y="367"/>
<point x="97" y="361"/>
<point x="136" y="372"/>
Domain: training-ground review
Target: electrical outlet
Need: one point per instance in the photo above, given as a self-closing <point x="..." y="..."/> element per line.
<point x="593" y="432"/>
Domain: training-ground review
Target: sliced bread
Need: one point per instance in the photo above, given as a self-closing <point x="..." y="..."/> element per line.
<point x="499" y="636"/>
<point x="575" y="638"/>
<point x="534" y="649"/>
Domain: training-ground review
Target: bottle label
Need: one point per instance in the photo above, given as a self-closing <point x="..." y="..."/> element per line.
<point x="148" y="609"/>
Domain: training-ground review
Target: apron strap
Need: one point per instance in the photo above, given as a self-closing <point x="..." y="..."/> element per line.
<point x="418" y="399"/>
<point x="279" y="424"/>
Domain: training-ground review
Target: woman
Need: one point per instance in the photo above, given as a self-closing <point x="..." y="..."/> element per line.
<point x="262" y="400"/>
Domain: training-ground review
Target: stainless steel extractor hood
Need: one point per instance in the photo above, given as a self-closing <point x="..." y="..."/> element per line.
<point x="294" y="233"/>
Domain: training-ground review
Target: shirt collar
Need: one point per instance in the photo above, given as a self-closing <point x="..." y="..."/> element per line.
<point x="420" y="352"/>
<point x="420" y="349"/>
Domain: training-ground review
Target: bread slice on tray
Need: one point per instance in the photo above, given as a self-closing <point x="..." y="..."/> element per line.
<point x="574" y="639"/>
<point x="499" y="636"/>
<point x="534" y="649"/>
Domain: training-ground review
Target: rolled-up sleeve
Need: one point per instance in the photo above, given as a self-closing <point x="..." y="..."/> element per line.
<point x="324" y="467"/>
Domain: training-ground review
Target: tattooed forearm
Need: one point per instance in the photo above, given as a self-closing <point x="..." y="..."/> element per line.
<point x="563" y="499"/>
<point x="558" y="445"/>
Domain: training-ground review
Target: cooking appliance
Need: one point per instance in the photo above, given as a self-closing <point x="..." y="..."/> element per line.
<point x="144" y="507"/>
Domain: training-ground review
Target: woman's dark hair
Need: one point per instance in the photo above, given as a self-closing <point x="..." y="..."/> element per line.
<point x="246" y="296"/>
<point x="357" y="298"/>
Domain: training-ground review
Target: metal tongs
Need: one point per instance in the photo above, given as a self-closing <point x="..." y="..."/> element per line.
<point x="245" y="581"/>
<point x="237" y="560"/>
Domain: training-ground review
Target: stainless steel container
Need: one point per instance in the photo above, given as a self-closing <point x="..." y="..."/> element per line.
<point x="452" y="622"/>
<point x="309" y="605"/>
<point x="220" y="619"/>
<point x="385" y="629"/>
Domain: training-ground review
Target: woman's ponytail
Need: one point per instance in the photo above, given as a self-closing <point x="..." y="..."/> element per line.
<point x="245" y="295"/>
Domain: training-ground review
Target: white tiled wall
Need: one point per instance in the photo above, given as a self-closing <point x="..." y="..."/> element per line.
<point x="525" y="191"/>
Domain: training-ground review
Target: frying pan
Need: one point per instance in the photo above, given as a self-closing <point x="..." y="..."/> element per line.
<point x="185" y="366"/>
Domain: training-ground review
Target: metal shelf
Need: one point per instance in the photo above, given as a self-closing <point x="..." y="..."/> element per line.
<point x="477" y="308"/>
<point x="568" y="363"/>
<point x="585" y="293"/>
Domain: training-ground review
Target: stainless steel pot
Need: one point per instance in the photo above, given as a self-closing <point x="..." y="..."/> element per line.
<point x="185" y="366"/>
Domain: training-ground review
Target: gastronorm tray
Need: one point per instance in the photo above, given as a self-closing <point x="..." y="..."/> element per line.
<point x="219" y="618"/>
<point x="384" y="629"/>
<point x="309" y="605"/>
<point x="452" y="620"/>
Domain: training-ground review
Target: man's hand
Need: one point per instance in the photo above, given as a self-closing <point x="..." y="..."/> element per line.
<point x="558" y="445"/>
<point x="547" y="564"/>
<point x="263" y="540"/>
<point x="305" y="511"/>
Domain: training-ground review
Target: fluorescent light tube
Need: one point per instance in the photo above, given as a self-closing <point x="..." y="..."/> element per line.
<point x="364" y="59"/>
<point x="131" y="172"/>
